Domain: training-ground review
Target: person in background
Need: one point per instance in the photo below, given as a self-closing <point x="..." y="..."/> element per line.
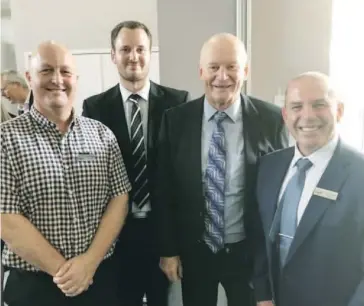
<point x="311" y="206"/>
<point x="15" y="88"/>
<point x="207" y="162"/>
<point x="133" y="109"/>
<point x="64" y="194"/>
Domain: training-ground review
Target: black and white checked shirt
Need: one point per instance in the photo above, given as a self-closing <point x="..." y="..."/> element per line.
<point x="60" y="183"/>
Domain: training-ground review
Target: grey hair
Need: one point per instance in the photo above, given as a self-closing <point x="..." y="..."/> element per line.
<point x="13" y="76"/>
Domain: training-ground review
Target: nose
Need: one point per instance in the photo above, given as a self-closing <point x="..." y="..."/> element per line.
<point x="57" y="77"/>
<point x="133" y="55"/>
<point x="222" y="74"/>
<point x="308" y="112"/>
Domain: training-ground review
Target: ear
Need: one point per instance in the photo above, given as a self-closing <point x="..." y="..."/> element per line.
<point x="200" y="70"/>
<point x="112" y="54"/>
<point x="340" y="111"/>
<point x="284" y="114"/>
<point x="246" y="72"/>
<point x="28" y="76"/>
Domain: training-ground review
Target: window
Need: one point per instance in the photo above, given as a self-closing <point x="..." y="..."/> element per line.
<point x="347" y="66"/>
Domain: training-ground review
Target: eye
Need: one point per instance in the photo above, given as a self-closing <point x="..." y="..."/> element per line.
<point x="296" y="107"/>
<point x="141" y="50"/>
<point x="66" y="72"/>
<point x="214" y="68"/>
<point x="46" y="70"/>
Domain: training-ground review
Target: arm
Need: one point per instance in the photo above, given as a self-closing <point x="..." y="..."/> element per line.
<point x="358" y="297"/>
<point x="165" y="210"/>
<point x="117" y="209"/>
<point x="18" y="232"/>
<point x="109" y="228"/>
<point x="261" y="281"/>
<point x="26" y="241"/>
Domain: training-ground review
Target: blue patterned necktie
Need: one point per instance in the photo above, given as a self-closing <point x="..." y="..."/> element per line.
<point x="289" y="206"/>
<point x="215" y="187"/>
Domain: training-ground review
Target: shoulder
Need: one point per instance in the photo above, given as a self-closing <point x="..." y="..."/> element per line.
<point x="96" y="129"/>
<point x="274" y="157"/>
<point x="171" y="92"/>
<point x="102" y="97"/>
<point x="263" y="108"/>
<point x="15" y="126"/>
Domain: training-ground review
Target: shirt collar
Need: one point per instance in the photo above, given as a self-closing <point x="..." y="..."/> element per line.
<point x="319" y="156"/>
<point x="144" y="92"/>
<point x="42" y="120"/>
<point x="233" y="111"/>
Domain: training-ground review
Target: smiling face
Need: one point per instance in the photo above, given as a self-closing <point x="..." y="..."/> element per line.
<point x="311" y="112"/>
<point x="223" y="69"/>
<point x="53" y="78"/>
<point x="132" y="54"/>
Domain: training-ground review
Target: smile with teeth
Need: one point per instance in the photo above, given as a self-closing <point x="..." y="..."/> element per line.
<point x="309" y="129"/>
<point x="222" y="86"/>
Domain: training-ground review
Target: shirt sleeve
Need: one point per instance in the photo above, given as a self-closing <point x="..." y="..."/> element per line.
<point x="118" y="177"/>
<point x="9" y="190"/>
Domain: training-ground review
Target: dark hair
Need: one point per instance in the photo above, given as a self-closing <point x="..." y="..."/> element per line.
<point x="130" y="24"/>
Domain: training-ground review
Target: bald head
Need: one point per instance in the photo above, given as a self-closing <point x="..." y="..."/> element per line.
<point x="50" y="50"/>
<point x="52" y="76"/>
<point x="316" y="79"/>
<point x="223" y="68"/>
<point x="312" y="110"/>
<point x="220" y="43"/>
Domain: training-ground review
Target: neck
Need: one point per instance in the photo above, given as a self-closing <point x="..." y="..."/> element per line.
<point x="133" y="86"/>
<point x="62" y="117"/>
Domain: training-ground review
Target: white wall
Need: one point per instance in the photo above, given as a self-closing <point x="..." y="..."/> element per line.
<point x="183" y="27"/>
<point x="79" y="24"/>
<point x="288" y="37"/>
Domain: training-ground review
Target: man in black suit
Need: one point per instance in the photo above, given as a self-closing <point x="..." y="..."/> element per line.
<point x="133" y="110"/>
<point x="207" y="155"/>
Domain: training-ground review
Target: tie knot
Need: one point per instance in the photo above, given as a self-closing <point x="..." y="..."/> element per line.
<point x="303" y="164"/>
<point x="219" y="117"/>
<point x="134" y="98"/>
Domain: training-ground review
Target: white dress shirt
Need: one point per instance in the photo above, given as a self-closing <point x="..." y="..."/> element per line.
<point x="143" y="103"/>
<point x="319" y="160"/>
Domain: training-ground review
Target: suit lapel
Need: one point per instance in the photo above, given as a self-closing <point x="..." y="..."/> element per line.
<point x="333" y="179"/>
<point x="281" y="167"/>
<point x="118" y="123"/>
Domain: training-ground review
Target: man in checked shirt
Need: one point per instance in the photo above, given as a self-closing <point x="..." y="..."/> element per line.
<point x="64" y="192"/>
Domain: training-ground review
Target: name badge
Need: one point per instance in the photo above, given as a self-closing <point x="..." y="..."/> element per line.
<point x="324" y="193"/>
<point x="85" y="157"/>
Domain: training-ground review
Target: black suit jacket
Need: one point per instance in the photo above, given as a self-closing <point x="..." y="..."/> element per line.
<point x="180" y="199"/>
<point x="108" y="108"/>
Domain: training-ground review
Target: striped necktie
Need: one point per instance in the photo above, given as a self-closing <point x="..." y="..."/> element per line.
<point x="140" y="189"/>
